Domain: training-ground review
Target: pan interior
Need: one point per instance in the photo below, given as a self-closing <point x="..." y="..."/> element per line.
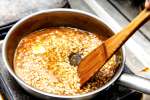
<point x="56" y="18"/>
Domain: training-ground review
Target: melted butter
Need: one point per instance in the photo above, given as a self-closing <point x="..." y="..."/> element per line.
<point x="38" y="49"/>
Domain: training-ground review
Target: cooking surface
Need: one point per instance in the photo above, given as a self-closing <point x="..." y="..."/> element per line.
<point x="137" y="49"/>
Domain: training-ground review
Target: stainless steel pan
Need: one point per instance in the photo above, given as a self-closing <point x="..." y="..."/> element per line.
<point x="71" y="18"/>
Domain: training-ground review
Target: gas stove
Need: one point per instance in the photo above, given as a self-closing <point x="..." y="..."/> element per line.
<point x="11" y="90"/>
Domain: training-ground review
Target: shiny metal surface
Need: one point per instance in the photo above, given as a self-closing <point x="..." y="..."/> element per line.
<point x="135" y="82"/>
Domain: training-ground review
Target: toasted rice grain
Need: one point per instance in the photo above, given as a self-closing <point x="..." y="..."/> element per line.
<point x="41" y="60"/>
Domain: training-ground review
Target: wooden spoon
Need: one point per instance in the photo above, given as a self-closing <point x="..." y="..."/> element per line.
<point x="97" y="58"/>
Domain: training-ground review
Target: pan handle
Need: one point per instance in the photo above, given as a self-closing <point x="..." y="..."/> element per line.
<point x="135" y="82"/>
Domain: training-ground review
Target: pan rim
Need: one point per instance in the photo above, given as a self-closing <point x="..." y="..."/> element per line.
<point x="23" y="84"/>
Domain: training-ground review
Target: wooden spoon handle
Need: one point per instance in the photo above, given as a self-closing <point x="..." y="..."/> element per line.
<point x="116" y="41"/>
<point x="98" y="57"/>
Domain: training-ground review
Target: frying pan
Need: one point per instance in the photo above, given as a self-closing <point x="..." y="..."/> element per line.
<point x="70" y="18"/>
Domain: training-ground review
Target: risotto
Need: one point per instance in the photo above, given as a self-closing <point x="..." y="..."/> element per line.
<point x="42" y="60"/>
